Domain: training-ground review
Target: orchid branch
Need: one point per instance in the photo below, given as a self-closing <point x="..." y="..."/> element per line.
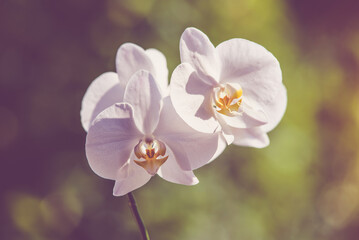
<point x="136" y="215"/>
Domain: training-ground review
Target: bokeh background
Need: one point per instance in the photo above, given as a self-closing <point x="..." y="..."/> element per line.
<point x="304" y="186"/>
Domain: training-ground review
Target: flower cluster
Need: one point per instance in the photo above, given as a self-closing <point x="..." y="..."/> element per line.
<point x="138" y="126"/>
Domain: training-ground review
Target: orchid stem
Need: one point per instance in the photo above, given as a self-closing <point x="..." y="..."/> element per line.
<point x="136" y="215"/>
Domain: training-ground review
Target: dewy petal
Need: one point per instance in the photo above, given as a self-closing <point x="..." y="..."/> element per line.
<point x="276" y="109"/>
<point x="103" y="92"/>
<point x="191" y="97"/>
<point x="144" y="95"/>
<point x="129" y="59"/>
<point x="197" y="49"/>
<point x="252" y="66"/>
<point x="250" y="137"/>
<point x="160" y="64"/>
<point x="172" y="172"/>
<point x="111" y="139"/>
<point x="130" y="177"/>
<point x="191" y="149"/>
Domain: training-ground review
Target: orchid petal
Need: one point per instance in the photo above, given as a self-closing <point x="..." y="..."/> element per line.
<point x="276" y="109"/>
<point x="104" y="91"/>
<point x="191" y="97"/>
<point x="252" y="66"/>
<point x="192" y="149"/>
<point x="226" y="131"/>
<point x="222" y="144"/>
<point x="172" y="172"/>
<point x="160" y="64"/>
<point x="197" y="49"/>
<point x="144" y="95"/>
<point x="227" y="134"/>
<point x="250" y="137"/>
<point x="130" y="177"/>
<point x="129" y="59"/>
<point x="253" y="114"/>
<point x="110" y="140"/>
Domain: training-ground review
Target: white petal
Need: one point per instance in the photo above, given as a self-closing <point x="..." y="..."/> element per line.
<point x="135" y="177"/>
<point x="191" y="97"/>
<point x="226" y="131"/>
<point x="252" y="66"/>
<point x="160" y="64"/>
<point x="104" y="91"/>
<point x="250" y="137"/>
<point x="227" y="134"/>
<point x="144" y="95"/>
<point x="172" y="172"/>
<point x="223" y="141"/>
<point x="197" y="49"/>
<point x="129" y="59"/>
<point x="276" y="109"/>
<point x="192" y="149"/>
<point x="111" y="139"/>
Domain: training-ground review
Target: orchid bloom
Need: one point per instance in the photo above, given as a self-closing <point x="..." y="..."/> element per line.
<point x="141" y="136"/>
<point x="235" y="88"/>
<point x="109" y="87"/>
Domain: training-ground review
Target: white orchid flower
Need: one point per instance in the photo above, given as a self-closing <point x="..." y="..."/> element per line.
<point x="109" y="87"/>
<point x="129" y="142"/>
<point x="235" y="88"/>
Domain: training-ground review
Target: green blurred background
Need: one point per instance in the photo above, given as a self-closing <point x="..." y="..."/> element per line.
<point x="304" y="186"/>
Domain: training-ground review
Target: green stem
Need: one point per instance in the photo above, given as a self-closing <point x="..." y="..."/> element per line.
<point x="136" y="215"/>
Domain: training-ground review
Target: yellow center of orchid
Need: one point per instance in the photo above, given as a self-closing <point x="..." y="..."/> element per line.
<point x="148" y="152"/>
<point x="228" y="99"/>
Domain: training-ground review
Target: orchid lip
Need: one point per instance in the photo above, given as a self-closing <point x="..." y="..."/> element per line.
<point x="148" y="152"/>
<point x="227" y="99"/>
